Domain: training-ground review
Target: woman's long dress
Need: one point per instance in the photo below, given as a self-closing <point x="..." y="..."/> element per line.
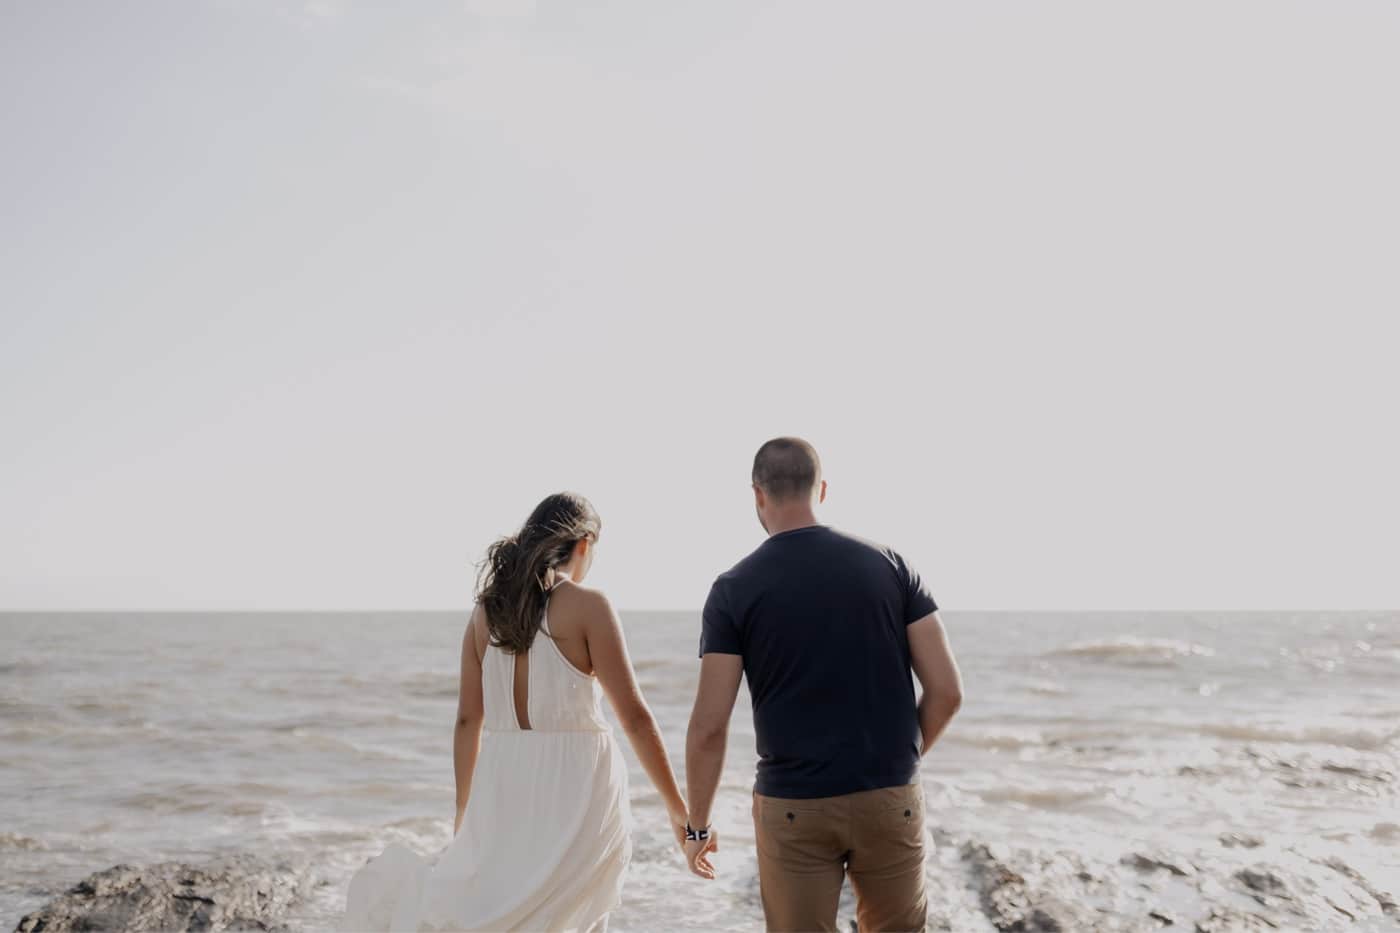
<point x="545" y="840"/>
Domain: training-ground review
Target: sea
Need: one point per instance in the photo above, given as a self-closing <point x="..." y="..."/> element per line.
<point x="1144" y="767"/>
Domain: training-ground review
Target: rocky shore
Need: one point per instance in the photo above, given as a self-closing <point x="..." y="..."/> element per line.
<point x="1233" y="889"/>
<point x="238" y="893"/>
<point x="1242" y="887"/>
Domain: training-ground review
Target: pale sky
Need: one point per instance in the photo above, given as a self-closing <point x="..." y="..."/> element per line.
<point x="1085" y="305"/>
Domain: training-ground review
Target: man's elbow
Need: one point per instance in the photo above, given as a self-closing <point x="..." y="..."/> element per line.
<point x="952" y="700"/>
<point x="469" y="722"/>
<point x="707" y="734"/>
<point x="947" y="700"/>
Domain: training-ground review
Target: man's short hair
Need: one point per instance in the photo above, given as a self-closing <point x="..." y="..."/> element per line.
<point x="786" y="468"/>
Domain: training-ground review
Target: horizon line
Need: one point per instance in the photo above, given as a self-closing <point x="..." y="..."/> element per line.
<point x="454" y="610"/>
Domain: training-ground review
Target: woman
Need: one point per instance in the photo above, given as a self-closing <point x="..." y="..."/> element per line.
<point x="541" y="837"/>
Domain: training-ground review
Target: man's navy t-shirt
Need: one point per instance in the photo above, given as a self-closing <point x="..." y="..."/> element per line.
<point x="819" y="617"/>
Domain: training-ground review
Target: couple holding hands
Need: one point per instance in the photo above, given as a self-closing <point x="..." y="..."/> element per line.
<point x="831" y="630"/>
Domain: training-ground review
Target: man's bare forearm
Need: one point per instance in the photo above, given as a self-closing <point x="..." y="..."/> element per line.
<point x="704" y="762"/>
<point x="934" y="715"/>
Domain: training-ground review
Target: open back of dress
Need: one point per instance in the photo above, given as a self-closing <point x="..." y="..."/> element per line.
<point x="560" y="697"/>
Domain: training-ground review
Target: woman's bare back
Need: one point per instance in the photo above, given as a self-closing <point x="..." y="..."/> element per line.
<point x="567" y="615"/>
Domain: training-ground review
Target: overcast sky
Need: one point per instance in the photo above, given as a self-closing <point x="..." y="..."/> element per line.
<point x="1085" y="305"/>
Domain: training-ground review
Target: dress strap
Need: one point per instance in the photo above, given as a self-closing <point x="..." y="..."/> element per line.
<point x="544" y="612"/>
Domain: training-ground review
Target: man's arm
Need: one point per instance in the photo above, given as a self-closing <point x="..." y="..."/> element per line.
<point x="933" y="664"/>
<point x="705" y="740"/>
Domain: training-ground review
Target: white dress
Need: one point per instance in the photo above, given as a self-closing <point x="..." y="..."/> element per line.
<point x="546" y="837"/>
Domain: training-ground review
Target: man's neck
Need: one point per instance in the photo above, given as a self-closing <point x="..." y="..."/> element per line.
<point x="798" y="518"/>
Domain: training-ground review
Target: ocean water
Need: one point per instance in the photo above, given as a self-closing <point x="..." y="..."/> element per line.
<point x="1215" y="740"/>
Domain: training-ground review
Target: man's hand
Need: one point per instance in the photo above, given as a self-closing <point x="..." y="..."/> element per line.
<point x="696" y="852"/>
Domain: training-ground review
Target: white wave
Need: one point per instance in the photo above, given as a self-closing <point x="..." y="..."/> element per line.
<point x="1043" y="798"/>
<point x="1046" y="688"/>
<point x="1346" y="737"/>
<point x="1134" y="650"/>
<point x="995" y="738"/>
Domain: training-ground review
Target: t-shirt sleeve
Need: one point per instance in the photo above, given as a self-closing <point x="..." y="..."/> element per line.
<point x="918" y="601"/>
<point x="719" y="632"/>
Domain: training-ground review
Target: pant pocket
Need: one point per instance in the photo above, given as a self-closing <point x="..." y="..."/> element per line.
<point x="903" y="821"/>
<point x="786" y="828"/>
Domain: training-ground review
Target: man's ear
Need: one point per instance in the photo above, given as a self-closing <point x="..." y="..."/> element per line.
<point x="758" y="498"/>
<point x="821" y="495"/>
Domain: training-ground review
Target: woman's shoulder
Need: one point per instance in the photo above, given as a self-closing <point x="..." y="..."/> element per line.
<point x="477" y="632"/>
<point x="586" y="607"/>
<point x="576" y="596"/>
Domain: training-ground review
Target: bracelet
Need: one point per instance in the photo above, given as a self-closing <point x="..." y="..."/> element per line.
<point x="696" y="835"/>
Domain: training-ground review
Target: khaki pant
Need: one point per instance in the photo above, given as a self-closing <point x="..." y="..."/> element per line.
<point x="806" y="847"/>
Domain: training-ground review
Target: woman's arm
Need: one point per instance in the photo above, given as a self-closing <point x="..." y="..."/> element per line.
<point x="466" y="736"/>
<point x="608" y="651"/>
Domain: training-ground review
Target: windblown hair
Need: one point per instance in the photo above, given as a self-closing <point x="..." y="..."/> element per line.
<point x="514" y="581"/>
<point x="786" y="468"/>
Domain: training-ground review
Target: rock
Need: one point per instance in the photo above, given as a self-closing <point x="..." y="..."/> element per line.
<point x="1011" y="903"/>
<point x="1151" y="863"/>
<point x="237" y="893"/>
<point x="1162" y="917"/>
<point x="1232" y="840"/>
<point x="1228" y="920"/>
<point x="1378" y="775"/>
<point x="1383" y="899"/>
<point x="1288" y="898"/>
<point x="1262" y="882"/>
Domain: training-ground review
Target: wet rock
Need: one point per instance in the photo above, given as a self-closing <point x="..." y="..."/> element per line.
<point x="1262" y="881"/>
<point x="1228" y="920"/>
<point x="1300" y="782"/>
<point x="1377" y="775"/>
<point x="1294" y="898"/>
<point x="1384" y="900"/>
<point x="1152" y="863"/>
<point x="1240" y="840"/>
<point x="1013" y="904"/>
<point x="1266" y="761"/>
<point x="238" y="893"/>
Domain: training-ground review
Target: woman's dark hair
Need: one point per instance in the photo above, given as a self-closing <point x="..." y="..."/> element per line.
<point x="515" y="579"/>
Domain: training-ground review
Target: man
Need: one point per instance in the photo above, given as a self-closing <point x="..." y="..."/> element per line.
<point x="827" y="627"/>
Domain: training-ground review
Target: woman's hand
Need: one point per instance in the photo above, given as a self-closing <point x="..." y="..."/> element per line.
<point x="678" y="828"/>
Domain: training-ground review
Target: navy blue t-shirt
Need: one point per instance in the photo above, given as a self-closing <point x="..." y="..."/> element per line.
<point x="819" y="618"/>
